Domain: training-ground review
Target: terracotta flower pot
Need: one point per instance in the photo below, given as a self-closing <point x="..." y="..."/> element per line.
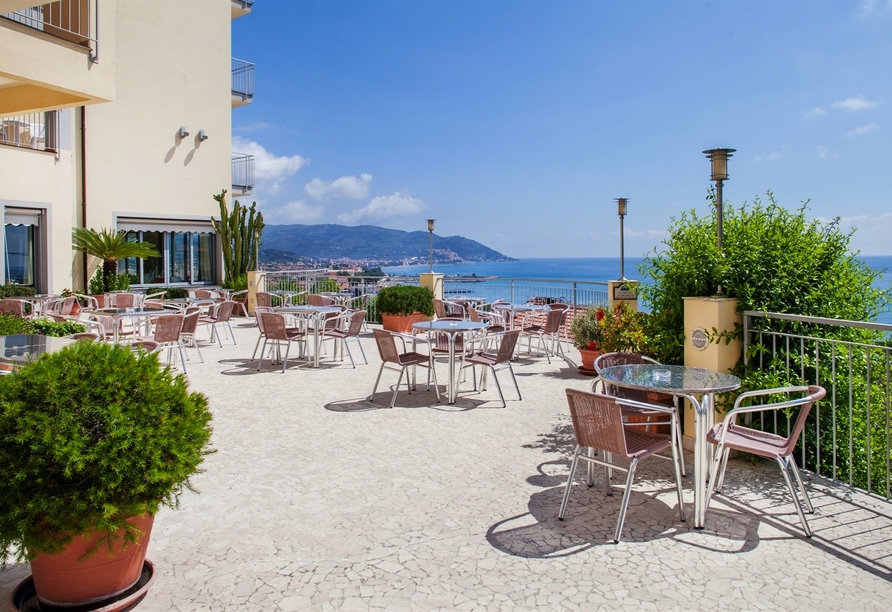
<point x="588" y="358"/>
<point x="62" y="580"/>
<point x="401" y="323"/>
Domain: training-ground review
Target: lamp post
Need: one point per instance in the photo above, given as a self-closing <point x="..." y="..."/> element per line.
<point x="621" y="208"/>
<point x="430" y="231"/>
<point x="719" y="172"/>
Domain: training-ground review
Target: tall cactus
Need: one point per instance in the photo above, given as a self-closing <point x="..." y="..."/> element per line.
<point x="236" y="232"/>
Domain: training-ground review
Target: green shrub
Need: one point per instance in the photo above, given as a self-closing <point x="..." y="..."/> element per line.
<point x="405" y="300"/>
<point x="90" y="436"/>
<point x="116" y="282"/>
<point x="238" y="283"/>
<point x="10" y="325"/>
<point x="325" y="285"/>
<point x="170" y="293"/>
<point x="9" y="291"/>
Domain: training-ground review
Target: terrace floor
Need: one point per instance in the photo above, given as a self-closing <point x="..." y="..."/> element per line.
<point x="319" y="500"/>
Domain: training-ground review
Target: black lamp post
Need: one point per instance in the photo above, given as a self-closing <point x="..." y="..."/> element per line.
<point x="621" y="208"/>
<point x="430" y="231"/>
<point x="719" y="172"/>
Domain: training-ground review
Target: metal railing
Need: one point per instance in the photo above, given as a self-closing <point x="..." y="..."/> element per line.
<point x="847" y="436"/>
<point x="76" y="21"/>
<point x="38" y="131"/>
<point x="578" y="294"/>
<point x="242" y="172"/>
<point x="242" y="79"/>
<point x="244" y="3"/>
<point x="303" y="282"/>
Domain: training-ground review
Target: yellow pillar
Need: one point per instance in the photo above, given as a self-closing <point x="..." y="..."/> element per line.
<point x="256" y="284"/>
<point x="433" y="281"/>
<point x="623" y="292"/>
<point x="704" y="319"/>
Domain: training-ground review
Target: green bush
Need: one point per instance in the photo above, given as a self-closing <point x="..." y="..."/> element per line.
<point x="9" y="291"/>
<point x="405" y="300"/>
<point x="117" y="282"/>
<point x="11" y="325"/>
<point x="170" y="293"/>
<point x="325" y="285"/>
<point x="90" y="436"/>
<point x="238" y="283"/>
<point x="600" y="329"/>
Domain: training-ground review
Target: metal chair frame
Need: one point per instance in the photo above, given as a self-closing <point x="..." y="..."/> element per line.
<point x="386" y="342"/>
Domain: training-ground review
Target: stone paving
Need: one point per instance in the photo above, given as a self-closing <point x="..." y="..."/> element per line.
<point x="320" y="500"/>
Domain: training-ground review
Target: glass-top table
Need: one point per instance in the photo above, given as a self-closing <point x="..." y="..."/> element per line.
<point x="686" y="382"/>
<point x="452" y="329"/>
<point x="19" y="349"/>
<point x="315" y="314"/>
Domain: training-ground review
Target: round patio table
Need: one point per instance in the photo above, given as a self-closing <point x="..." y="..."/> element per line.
<point x="452" y="329"/>
<point x="317" y="315"/>
<point x="686" y="382"/>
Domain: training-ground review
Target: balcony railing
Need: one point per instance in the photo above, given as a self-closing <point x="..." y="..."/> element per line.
<point x="246" y="4"/>
<point x="242" y="79"/>
<point x="38" y="131"/>
<point x="72" y="20"/>
<point x="242" y="173"/>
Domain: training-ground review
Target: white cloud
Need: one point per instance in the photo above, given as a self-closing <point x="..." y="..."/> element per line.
<point x="868" y="7"/>
<point x="383" y="207"/>
<point x="855" y="104"/>
<point x="251" y="127"/>
<point x="345" y="187"/>
<point x="864" y="129"/>
<point x="269" y="169"/>
<point x="826" y="154"/>
<point x="872" y="232"/>
<point x="776" y="155"/>
<point x="297" y="211"/>
<point x="813" y="112"/>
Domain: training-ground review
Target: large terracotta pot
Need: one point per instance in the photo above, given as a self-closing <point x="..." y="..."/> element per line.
<point x="401" y="323"/>
<point x="61" y="580"/>
<point x="588" y="358"/>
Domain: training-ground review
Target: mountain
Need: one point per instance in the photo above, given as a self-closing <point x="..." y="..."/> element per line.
<point x="292" y="243"/>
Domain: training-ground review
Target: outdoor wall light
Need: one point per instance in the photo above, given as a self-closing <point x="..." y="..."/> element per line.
<point x="430" y="231"/>
<point x="183" y="133"/>
<point x="622" y="205"/>
<point x="719" y="172"/>
<point x="202" y="136"/>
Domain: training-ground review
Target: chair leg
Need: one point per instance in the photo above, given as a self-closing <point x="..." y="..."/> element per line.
<point x="675" y="463"/>
<point x="795" y="469"/>
<point x="590" y="469"/>
<point x="721" y="481"/>
<point x="432" y="371"/>
<point x="362" y="351"/>
<point x="680" y="436"/>
<point x="396" y="389"/>
<point x="566" y="499"/>
<point x="498" y="387"/>
<point x="514" y="378"/>
<point x="182" y="352"/>
<point x="231" y="335"/>
<point x="608" y="474"/>
<point x="285" y="361"/>
<point x="377" y="380"/>
<point x="256" y="346"/>
<point x="262" y="351"/>
<point x="349" y="354"/>
<point x="792" y="490"/>
<point x="625" y="504"/>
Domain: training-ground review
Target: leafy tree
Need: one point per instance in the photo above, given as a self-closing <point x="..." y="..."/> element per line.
<point x="110" y="247"/>
<point x="239" y="233"/>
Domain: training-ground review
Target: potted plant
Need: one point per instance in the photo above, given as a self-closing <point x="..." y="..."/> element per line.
<point x="599" y="330"/>
<point x="588" y="335"/>
<point x="402" y="305"/>
<point x="93" y="441"/>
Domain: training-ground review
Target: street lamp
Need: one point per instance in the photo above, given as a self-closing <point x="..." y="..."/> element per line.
<point x="621" y="207"/>
<point x="430" y="231"/>
<point x="719" y="172"/>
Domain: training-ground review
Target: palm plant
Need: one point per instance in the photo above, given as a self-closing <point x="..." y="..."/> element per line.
<point x="110" y="247"/>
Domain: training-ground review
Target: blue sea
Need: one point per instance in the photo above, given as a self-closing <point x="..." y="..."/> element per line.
<point x="599" y="269"/>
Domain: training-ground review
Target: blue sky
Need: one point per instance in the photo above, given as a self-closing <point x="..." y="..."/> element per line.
<point x="517" y="123"/>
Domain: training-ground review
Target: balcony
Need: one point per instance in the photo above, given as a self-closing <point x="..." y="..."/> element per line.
<point x="242" y="82"/>
<point x="39" y="131"/>
<point x="242" y="173"/>
<point x="240" y="8"/>
<point x="71" y="20"/>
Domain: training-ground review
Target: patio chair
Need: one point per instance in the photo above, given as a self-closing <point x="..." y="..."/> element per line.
<point x="638" y="417"/>
<point x="16" y="307"/>
<point x="490" y="360"/>
<point x="598" y="425"/>
<point x="123" y="300"/>
<point x="495" y="323"/>
<point x="241" y="302"/>
<point x="86" y="336"/>
<point x="549" y="331"/>
<point x="259" y="310"/>
<point x="167" y="335"/>
<point x="266" y="299"/>
<point x="386" y="342"/>
<point x="441" y="312"/>
<point x="314" y="299"/>
<point x="357" y="320"/>
<point x="729" y="435"/>
<point x="146" y="346"/>
<point x="190" y="326"/>
<point x="275" y="330"/>
<point x="222" y="315"/>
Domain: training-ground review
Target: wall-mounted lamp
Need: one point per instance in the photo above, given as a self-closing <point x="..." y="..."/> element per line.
<point x="718" y="172"/>
<point x="430" y="231"/>
<point x="622" y="205"/>
<point x="183" y="132"/>
<point x="202" y="136"/>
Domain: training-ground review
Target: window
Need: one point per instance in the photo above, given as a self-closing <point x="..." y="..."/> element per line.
<point x="186" y="257"/>
<point x="21" y="254"/>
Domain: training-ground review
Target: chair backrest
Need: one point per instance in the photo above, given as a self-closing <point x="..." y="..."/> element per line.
<point x="86" y="336"/>
<point x="614" y="359"/>
<point x="203" y="294"/>
<point x="473" y="315"/>
<point x="597" y="421"/>
<point x="124" y="300"/>
<point x="259" y="310"/>
<point x="153" y="305"/>
<point x="815" y="393"/>
<point x="264" y="299"/>
<point x="314" y="299"/>
<point x="356" y="323"/>
<point x="68" y="305"/>
<point x="506" y="347"/>
<point x="439" y="309"/>
<point x="274" y="325"/>
<point x="224" y="311"/>
<point x="386" y="346"/>
<point x="15" y="307"/>
<point x="553" y="321"/>
<point x="149" y="346"/>
<point x="190" y="321"/>
<point x="167" y="328"/>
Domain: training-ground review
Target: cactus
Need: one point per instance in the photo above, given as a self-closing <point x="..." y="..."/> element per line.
<point x="236" y="231"/>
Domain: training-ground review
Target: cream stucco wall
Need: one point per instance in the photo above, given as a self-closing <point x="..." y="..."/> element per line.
<point x="174" y="70"/>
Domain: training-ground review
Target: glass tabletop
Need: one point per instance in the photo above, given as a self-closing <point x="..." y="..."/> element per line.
<point x="680" y="379"/>
<point x="448" y="325"/>
<point x="307" y="309"/>
<point x="21" y="348"/>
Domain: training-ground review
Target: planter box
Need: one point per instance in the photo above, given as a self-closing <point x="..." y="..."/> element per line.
<point x="402" y="323"/>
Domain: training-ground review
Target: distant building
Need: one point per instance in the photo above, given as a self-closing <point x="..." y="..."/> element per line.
<point x="93" y="96"/>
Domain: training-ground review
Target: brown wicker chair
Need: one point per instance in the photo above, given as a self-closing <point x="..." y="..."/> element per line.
<point x="357" y="319"/>
<point x="550" y="330"/>
<point x="440" y="311"/>
<point x="167" y="335"/>
<point x="598" y="425"/>
<point x="16" y="307"/>
<point x="275" y="330"/>
<point x="221" y="316"/>
<point x="490" y="360"/>
<point x="729" y="435"/>
<point x="390" y="355"/>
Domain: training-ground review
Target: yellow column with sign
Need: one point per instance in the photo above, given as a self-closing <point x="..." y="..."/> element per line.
<point x="623" y="292"/>
<point x="256" y="284"/>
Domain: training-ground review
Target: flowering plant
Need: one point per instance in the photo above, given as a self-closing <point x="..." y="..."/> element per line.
<point x="588" y="328"/>
<point x="598" y="329"/>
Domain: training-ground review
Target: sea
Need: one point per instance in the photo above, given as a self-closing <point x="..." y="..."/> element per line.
<point x="598" y="269"/>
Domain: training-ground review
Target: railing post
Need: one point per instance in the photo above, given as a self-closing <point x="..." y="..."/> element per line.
<point x="512" y="290"/>
<point x="574" y="297"/>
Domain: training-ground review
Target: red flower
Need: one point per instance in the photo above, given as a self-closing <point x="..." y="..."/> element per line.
<point x="599" y="315"/>
<point x="592" y="346"/>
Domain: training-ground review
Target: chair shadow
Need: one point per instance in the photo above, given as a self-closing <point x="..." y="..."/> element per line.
<point x="420" y="398"/>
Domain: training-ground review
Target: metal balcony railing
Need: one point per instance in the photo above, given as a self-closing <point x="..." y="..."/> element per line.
<point x="76" y="21"/>
<point x="242" y="79"/>
<point x="242" y="172"/>
<point x="38" y="131"/>
<point x="244" y="3"/>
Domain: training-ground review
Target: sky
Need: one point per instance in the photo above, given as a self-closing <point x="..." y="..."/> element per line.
<point x="518" y="122"/>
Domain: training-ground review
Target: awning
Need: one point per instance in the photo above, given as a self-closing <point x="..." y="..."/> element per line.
<point x="196" y="226"/>
<point x="23" y="216"/>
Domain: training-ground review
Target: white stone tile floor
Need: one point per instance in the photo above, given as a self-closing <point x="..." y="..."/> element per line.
<point x="317" y="499"/>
